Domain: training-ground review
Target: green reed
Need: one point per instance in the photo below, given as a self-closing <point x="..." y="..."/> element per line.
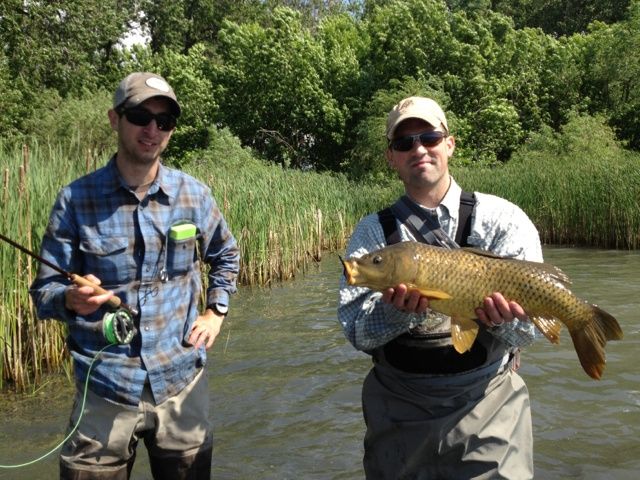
<point x="29" y="348"/>
<point x="580" y="200"/>
<point x="284" y="218"/>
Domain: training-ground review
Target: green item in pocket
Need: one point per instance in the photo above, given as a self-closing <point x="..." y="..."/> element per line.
<point x="182" y="231"/>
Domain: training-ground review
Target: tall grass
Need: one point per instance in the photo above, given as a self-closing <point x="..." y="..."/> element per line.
<point x="29" y="348"/>
<point x="283" y="218"/>
<point x="579" y="187"/>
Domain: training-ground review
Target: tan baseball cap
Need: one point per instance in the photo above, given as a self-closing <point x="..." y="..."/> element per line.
<point x="140" y="86"/>
<point x="416" y="107"/>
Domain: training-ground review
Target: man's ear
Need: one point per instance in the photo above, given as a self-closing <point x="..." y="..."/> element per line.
<point x="389" y="154"/>
<point x="114" y="118"/>
<point x="451" y="145"/>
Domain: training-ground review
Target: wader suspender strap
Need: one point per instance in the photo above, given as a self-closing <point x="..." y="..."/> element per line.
<point x="467" y="202"/>
<point x="387" y="219"/>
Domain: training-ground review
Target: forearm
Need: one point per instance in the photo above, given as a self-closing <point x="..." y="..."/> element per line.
<point x="49" y="299"/>
<point x="516" y="333"/>
<point x="367" y="321"/>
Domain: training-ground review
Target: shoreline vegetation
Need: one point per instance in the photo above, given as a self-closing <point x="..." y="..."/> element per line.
<point x="577" y="191"/>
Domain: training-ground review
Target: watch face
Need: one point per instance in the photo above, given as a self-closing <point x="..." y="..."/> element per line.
<point x="222" y="309"/>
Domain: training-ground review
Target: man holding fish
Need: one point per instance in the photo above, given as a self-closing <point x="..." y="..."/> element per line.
<point x="438" y="406"/>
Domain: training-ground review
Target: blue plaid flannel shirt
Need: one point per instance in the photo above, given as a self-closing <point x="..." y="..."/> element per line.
<point x="97" y="225"/>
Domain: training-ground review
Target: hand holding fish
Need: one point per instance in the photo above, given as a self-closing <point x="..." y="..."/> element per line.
<point x="496" y="310"/>
<point x="461" y="283"/>
<point x="410" y="301"/>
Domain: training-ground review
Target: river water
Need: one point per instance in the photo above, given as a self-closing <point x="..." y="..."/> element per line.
<point x="285" y="387"/>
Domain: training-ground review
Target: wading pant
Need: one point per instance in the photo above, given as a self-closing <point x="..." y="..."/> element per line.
<point x="177" y="434"/>
<point x="465" y="426"/>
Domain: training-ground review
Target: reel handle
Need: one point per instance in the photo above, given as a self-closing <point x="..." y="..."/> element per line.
<point x="114" y="301"/>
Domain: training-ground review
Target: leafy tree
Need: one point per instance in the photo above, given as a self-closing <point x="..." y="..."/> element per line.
<point x="180" y="24"/>
<point x="560" y="17"/>
<point x="314" y="11"/>
<point x="78" y="125"/>
<point x="502" y="82"/>
<point x="407" y="37"/>
<point x="62" y="44"/>
<point x="272" y="93"/>
<point x="612" y="73"/>
<point x="537" y="73"/>
<point x="13" y="107"/>
<point x="345" y="45"/>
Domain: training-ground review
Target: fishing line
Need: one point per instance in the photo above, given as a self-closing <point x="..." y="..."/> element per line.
<point x="75" y="427"/>
<point x="117" y="328"/>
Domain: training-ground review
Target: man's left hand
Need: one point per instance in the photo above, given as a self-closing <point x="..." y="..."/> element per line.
<point x="496" y="310"/>
<point x="205" y="329"/>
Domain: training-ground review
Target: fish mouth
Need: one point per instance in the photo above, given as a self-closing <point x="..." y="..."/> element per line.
<point x="349" y="270"/>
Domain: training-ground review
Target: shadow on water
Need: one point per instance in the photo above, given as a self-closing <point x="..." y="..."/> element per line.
<point x="285" y="388"/>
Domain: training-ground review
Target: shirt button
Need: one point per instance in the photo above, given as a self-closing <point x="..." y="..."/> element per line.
<point x="146" y="328"/>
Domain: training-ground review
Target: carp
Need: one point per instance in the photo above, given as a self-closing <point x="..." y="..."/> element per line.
<point x="456" y="282"/>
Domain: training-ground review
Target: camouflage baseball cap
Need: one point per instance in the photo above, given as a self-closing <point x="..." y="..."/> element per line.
<point x="140" y="86"/>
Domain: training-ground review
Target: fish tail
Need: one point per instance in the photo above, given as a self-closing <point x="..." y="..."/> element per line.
<point x="589" y="340"/>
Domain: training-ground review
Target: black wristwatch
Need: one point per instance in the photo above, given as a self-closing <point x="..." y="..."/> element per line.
<point x="219" y="309"/>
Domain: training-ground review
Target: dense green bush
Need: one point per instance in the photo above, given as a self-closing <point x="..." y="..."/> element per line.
<point x="79" y="125"/>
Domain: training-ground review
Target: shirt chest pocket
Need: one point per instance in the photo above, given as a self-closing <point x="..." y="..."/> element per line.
<point x="181" y="255"/>
<point x="108" y="258"/>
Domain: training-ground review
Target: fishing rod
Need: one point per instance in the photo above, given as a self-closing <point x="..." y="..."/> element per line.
<point x="114" y="301"/>
<point x="117" y="327"/>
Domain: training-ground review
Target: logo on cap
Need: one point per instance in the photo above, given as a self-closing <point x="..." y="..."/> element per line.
<point x="157" y="84"/>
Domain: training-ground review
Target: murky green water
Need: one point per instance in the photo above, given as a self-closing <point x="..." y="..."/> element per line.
<point x="285" y="388"/>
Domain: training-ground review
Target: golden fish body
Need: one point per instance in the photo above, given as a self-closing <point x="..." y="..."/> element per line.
<point x="456" y="282"/>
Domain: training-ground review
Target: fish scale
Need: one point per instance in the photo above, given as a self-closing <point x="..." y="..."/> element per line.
<point x="457" y="281"/>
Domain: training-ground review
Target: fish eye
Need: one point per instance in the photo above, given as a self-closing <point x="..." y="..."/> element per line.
<point x="377" y="259"/>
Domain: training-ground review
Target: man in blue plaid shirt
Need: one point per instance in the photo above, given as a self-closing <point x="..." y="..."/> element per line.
<point x="141" y="230"/>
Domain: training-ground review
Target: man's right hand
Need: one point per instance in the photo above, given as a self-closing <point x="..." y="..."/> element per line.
<point x="83" y="300"/>
<point x="404" y="299"/>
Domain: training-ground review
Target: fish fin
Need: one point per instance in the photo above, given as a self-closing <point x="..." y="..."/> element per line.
<point x="547" y="268"/>
<point x="463" y="333"/>
<point x="589" y="340"/>
<point x="550" y="327"/>
<point x="482" y="253"/>
<point x="432" y="294"/>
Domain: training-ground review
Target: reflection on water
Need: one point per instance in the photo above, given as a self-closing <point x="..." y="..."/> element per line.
<point x="285" y="387"/>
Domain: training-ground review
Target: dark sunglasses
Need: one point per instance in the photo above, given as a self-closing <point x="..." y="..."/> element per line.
<point x="142" y="117"/>
<point x="426" y="139"/>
